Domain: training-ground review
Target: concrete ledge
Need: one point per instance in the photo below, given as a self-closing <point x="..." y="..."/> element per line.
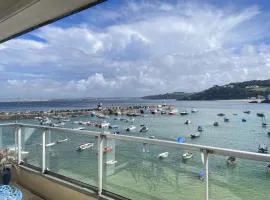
<point x="50" y="188"/>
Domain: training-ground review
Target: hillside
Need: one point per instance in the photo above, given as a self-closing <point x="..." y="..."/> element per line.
<point x="174" y="95"/>
<point x="238" y="90"/>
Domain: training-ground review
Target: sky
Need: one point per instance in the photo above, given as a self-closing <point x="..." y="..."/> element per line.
<point x="133" y="48"/>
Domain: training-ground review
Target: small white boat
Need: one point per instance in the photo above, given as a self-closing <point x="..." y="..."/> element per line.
<point x="104" y="125"/>
<point x="79" y="128"/>
<point x="85" y="146"/>
<point x="187" y="156"/>
<point x="187" y="121"/>
<point x="111" y="162"/>
<point x="144" y="129"/>
<point x="61" y="141"/>
<point x="50" y="144"/>
<point x="173" y="112"/>
<point x="195" y="135"/>
<point x="184" y="113"/>
<point x="193" y="110"/>
<point x="131" y="128"/>
<point x="163" y="155"/>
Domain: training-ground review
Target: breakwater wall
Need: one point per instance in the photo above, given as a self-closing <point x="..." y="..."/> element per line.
<point x="135" y="110"/>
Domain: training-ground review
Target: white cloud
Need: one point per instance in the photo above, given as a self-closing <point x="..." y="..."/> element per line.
<point x="141" y="48"/>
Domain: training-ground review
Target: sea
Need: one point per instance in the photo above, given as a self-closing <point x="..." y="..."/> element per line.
<point x="139" y="173"/>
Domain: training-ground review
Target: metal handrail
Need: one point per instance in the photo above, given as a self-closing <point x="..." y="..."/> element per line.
<point x="185" y="146"/>
<point x="206" y="150"/>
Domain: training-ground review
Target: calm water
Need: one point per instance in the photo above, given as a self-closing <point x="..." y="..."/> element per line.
<point x="139" y="174"/>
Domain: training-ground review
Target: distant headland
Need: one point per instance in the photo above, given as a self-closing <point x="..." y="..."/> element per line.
<point x="253" y="90"/>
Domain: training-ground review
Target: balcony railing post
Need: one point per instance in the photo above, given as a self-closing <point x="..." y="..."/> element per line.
<point x="100" y="163"/>
<point x="43" y="168"/>
<point x="206" y="174"/>
<point x="19" y="138"/>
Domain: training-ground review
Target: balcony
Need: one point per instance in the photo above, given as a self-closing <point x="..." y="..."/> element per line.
<point x="125" y="167"/>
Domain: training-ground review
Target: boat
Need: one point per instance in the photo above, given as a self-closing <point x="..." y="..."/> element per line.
<point x="111" y="162"/>
<point x="113" y="126"/>
<point x="200" y="129"/>
<point x="260" y="114"/>
<point x="173" y="112"/>
<point x="216" y="124"/>
<point x="131" y="128"/>
<point x="163" y="155"/>
<point x="263" y="148"/>
<point x="195" y="135"/>
<point x="193" y="110"/>
<point x="50" y="144"/>
<point x="187" y="122"/>
<point x="202" y="174"/>
<point x="184" y="113"/>
<point x="85" y="146"/>
<point x="61" y="141"/>
<point x="187" y="156"/>
<point x="79" y="128"/>
<point x="104" y="125"/>
<point x="247" y="112"/>
<point x="153" y="112"/>
<point x="268" y="132"/>
<point x="226" y="119"/>
<point x="244" y="120"/>
<point x="220" y="114"/>
<point x="144" y="129"/>
<point x="163" y="112"/>
<point x="231" y="160"/>
<point x="152" y="137"/>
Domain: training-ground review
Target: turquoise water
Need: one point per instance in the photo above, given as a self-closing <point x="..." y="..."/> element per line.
<point x="139" y="174"/>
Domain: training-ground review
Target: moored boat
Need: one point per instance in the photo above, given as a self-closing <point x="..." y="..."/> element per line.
<point x="193" y="110"/>
<point x="187" y="156"/>
<point x="260" y="114"/>
<point x="61" y="141"/>
<point x="195" y="135"/>
<point x="187" y="121"/>
<point x="200" y="129"/>
<point x="131" y="128"/>
<point x="111" y="162"/>
<point x="226" y="119"/>
<point x="244" y="120"/>
<point x="184" y="113"/>
<point x="220" y="114"/>
<point x="144" y="129"/>
<point x="216" y="124"/>
<point x="247" y="112"/>
<point x="163" y="155"/>
<point x="85" y="146"/>
<point x="263" y="148"/>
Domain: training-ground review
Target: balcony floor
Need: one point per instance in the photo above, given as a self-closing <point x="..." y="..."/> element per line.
<point x="27" y="195"/>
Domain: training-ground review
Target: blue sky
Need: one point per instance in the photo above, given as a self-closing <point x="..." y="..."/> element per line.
<point x="135" y="48"/>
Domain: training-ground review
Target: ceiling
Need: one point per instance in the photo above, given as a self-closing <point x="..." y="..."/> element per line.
<point x="21" y="16"/>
